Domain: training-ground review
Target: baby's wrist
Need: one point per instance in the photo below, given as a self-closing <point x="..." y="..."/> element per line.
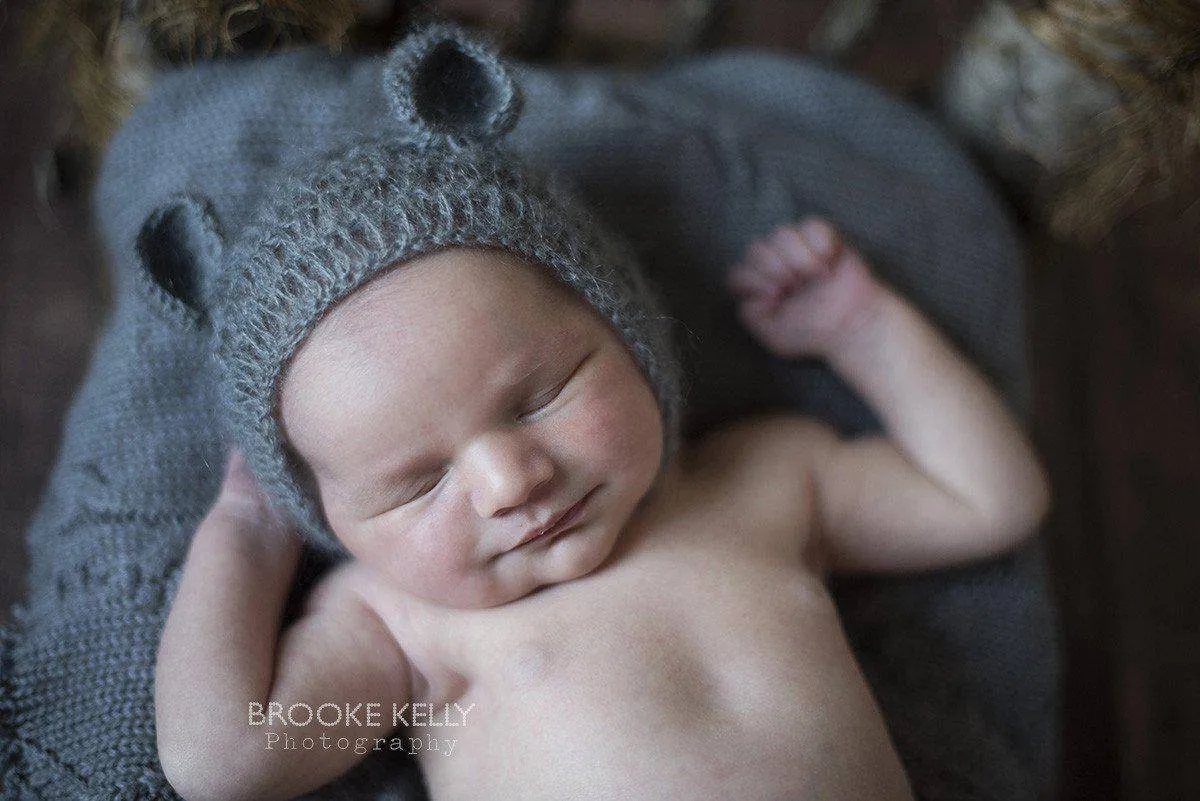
<point x="864" y="327"/>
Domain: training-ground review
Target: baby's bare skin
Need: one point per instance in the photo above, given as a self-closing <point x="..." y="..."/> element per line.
<point x="704" y="659"/>
<point x="676" y="640"/>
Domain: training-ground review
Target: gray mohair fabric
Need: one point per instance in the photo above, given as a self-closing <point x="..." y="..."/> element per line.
<point x="439" y="182"/>
<point x="688" y="163"/>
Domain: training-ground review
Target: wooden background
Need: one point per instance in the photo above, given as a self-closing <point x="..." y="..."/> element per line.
<point x="1115" y="349"/>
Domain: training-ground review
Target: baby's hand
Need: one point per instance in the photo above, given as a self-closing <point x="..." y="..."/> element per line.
<point x="802" y="290"/>
<point x="243" y="515"/>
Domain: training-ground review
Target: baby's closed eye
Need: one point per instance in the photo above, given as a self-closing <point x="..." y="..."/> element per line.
<point x="424" y="484"/>
<point x="542" y="400"/>
<point x="405" y="491"/>
<point x="546" y="398"/>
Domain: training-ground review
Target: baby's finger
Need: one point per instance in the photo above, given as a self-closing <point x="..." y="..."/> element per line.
<point x="767" y="258"/>
<point x="748" y="281"/>
<point x="822" y="238"/>
<point x="798" y="253"/>
<point x="243" y="498"/>
<point x="239" y="481"/>
<point x="758" y="311"/>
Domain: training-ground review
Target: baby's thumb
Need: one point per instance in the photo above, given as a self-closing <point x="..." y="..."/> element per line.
<point x="239" y="481"/>
<point x="241" y="493"/>
<point x="243" y="516"/>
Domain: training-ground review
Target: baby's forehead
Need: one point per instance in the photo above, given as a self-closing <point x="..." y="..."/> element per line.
<point x="418" y="317"/>
<point x="447" y="282"/>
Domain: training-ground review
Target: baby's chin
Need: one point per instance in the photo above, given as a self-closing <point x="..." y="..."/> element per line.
<point x="570" y="558"/>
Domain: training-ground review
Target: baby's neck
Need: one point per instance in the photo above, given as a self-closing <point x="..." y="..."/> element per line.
<point x="654" y="506"/>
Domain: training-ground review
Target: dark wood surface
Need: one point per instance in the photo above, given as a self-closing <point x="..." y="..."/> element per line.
<point x="1115" y="349"/>
<point x="1116" y="352"/>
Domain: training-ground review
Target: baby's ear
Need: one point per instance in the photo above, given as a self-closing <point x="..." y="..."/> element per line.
<point x="179" y="250"/>
<point x="442" y="84"/>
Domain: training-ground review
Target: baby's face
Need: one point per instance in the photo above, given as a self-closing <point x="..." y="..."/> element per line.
<point x="454" y="408"/>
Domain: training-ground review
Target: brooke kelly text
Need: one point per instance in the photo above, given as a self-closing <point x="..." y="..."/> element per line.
<point x="371" y="713"/>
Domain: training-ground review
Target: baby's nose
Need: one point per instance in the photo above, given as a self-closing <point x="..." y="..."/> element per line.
<point x="509" y="468"/>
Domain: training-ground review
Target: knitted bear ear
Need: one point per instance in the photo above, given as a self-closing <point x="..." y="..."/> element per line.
<point x="443" y="84"/>
<point x="179" y="248"/>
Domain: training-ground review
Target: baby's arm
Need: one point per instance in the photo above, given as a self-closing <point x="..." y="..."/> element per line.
<point x="222" y="649"/>
<point x="956" y="478"/>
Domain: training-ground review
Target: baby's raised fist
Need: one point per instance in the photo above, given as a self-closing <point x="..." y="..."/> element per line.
<point x="802" y="289"/>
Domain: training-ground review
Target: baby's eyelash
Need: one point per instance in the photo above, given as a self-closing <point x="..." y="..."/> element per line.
<point x="549" y="396"/>
<point x="543" y="400"/>
<point x="430" y="483"/>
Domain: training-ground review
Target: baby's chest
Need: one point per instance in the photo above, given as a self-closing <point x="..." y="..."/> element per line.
<point x="680" y="639"/>
<point x="725" y="670"/>
<point x="725" y="676"/>
<point x="726" y="673"/>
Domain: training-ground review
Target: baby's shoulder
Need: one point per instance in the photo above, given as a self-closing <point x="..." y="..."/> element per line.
<point x="418" y="628"/>
<point x="760" y="470"/>
<point x="777" y="445"/>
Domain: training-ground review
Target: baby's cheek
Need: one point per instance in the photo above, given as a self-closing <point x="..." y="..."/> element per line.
<point x="448" y="568"/>
<point x="625" y="424"/>
<point x="427" y="558"/>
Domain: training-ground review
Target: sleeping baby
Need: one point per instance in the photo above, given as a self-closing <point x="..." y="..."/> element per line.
<point x="442" y="369"/>
<point x="440" y="372"/>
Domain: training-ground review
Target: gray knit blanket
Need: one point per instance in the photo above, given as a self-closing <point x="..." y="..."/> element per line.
<point x="689" y="163"/>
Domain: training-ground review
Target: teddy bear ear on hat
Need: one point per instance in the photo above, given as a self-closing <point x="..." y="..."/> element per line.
<point x="443" y="84"/>
<point x="179" y="251"/>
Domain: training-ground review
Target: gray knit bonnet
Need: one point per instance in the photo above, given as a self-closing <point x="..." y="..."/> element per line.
<point x="334" y="225"/>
